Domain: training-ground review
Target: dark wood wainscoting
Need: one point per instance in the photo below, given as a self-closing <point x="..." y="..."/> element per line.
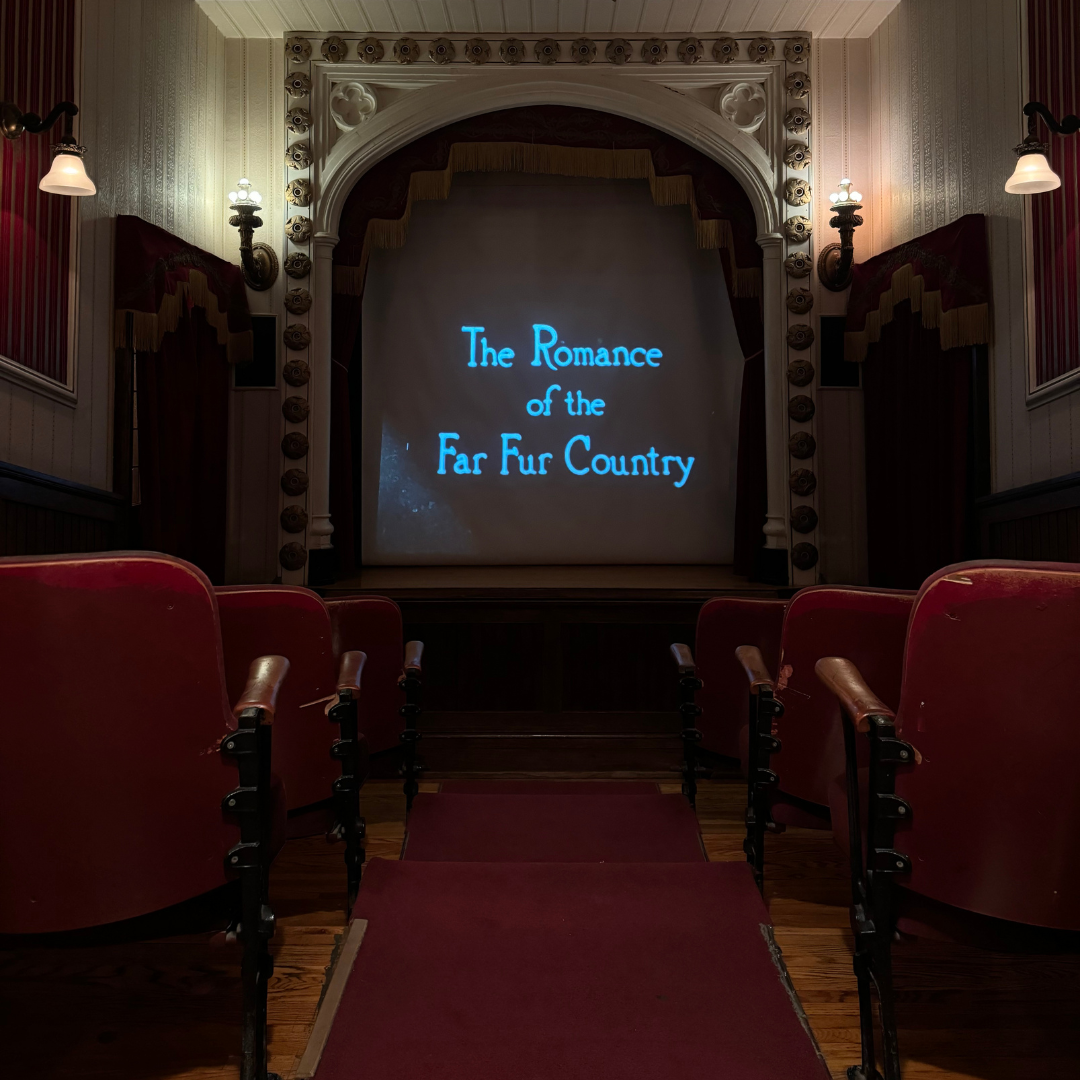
<point x="45" y="515"/>
<point x="1037" y="522"/>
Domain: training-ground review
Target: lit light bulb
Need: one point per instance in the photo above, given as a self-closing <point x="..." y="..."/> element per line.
<point x="256" y="197"/>
<point x="844" y="196"/>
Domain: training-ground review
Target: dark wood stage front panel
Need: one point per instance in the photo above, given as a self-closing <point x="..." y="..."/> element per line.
<point x="550" y="669"/>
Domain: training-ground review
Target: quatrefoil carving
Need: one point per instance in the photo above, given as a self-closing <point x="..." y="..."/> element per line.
<point x="743" y="103"/>
<point x="351" y="103"/>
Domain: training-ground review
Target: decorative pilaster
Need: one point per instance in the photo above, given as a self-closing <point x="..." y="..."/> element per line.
<point x="776" y="394"/>
<point x="320" y="529"/>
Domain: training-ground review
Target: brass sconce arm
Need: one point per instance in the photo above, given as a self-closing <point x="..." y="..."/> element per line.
<point x="13" y="122"/>
<point x="1067" y="125"/>
<point x="259" y="261"/>
<point x="836" y="260"/>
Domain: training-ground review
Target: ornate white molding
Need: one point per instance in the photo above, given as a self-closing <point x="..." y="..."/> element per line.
<point x="351" y="103"/>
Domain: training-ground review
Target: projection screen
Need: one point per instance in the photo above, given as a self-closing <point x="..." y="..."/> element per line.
<point x="550" y="375"/>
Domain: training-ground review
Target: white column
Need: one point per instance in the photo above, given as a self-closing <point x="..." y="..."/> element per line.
<point x="776" y="392"/>
<point x="322" y="288"/>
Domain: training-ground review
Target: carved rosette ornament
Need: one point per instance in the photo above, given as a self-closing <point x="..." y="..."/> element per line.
<point x="797" y="120"/>
<point x="298" y="49"/>
<point x="797" y="191"/>
<point x="334" y="49"/>
<point x="351" y="103"/>
<point x="800" y="336"/>
<point x="801" y="409"/>
<point x="295" y="445"/>
<point x="297" y="265"/>
<point x="297" y="301"/>
<point x="798" y="84"/>
<point x="802" y="483"/>
<point x="761" y="50"/>
<point x="583" y="50"/>
<point x="654" y="50"/>
<point x="800" y="373"/>
<point x="801" y="445"/>
<point x="370" y="50"/>
<point x="798" y="228"/>
<point x="441" y="50"/>
<point x="799" y="265"/>
<point x="796" y="155"/>
<point x="298" y="192"/>
<point x="406" y="51"/>
<point x="293" y="556"/>
<point x="804" y="556"/>
<point x="690" y="50"/>
<point x="298" y="120"/>
<point x="294" y="482"/>
<point x="797" y="50"/>
<point x="725" y="50"/>
<point x="619" y="50"/>
<point x="512" y="50"/>
<point x="295" y="409"/>
<point x="296" y="372"/>
<point x="297" y="84"/>
<point x="800" y="301"/>
<point x="477" y="51"/>
<point x="547" y="50"/>
<point x="296" y="336"/>
<point x="804" y="519"/>
<point x="299" y="229"/>
<point x="298" y="156"/>
<point x="293" y="518"/>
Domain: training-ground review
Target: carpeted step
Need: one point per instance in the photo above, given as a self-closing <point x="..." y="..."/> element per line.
<point x="553" y="828"/>
<point x="568" y="971"/>
<point x="549" y="787"/>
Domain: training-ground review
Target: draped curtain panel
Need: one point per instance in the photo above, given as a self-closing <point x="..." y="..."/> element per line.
<point x="1053" y="62"/>
<point x="37" y="71"/>
<point x="565" y="141"/>
<point x="184" y="315"/>
<point x="917" y="314"/>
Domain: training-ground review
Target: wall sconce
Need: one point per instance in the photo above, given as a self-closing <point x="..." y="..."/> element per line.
<point x="835" y="261"/>
<point x="260" y="261"/>
<point x="1033" y="174"/>
<point x="67" y="176"/>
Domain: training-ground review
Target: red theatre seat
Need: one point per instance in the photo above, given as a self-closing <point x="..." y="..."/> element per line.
<point x="971" y="799"/>
<point x="797" y="723"/>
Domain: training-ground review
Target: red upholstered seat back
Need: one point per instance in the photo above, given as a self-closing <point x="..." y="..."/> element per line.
<point x="113" y="708"/>
<point x="260" y="620"/>
<point x="990" y="700"/>
<point x="372" y="624"/>
<point x="865" y="625"/>
<point x="723" y="625"/>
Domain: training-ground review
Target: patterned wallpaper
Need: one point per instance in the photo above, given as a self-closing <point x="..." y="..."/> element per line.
<point x="946" y="94"/>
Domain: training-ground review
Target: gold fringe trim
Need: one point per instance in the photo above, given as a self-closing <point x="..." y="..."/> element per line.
<point x="148" y="330"/>
<point x="541" y="158"/>
<point x="960" y="326"/>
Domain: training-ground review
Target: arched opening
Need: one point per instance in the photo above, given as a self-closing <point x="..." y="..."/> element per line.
<point x="556" y="141"/>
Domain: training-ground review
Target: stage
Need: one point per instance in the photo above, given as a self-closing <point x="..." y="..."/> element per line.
<point x="548" y="669"/>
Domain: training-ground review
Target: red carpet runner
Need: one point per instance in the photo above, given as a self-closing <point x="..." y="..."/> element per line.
<point x="565" y="972"/>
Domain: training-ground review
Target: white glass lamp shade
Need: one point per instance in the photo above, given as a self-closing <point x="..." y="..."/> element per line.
<point x="1032" y="175"/>
<point x="244" y="196"/>
<point x="67" y="176"/>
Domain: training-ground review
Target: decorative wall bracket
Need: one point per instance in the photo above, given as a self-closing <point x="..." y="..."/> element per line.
<point x="835" y="261"/>
<point x="259" y="261"/>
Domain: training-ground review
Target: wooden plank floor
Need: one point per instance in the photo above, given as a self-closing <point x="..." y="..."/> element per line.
<point x="170" y="1008"/>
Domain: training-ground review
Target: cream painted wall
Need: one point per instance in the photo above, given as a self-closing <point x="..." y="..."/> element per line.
<point x="946" y="97"/>
<point x="255" y="148"/>
<point x="152" y="119"/>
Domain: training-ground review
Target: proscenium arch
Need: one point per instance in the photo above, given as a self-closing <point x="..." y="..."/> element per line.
<point x="423" y="111"/>
<point x="419" y="112"/>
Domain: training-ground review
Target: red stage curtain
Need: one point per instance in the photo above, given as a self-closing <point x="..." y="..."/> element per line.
<point x="185" y="314"/>
<point x="1053" y="61"/>
<point x="37" y="71"/>
<point x="916" y="312"/>
<point x="377" y="211"/>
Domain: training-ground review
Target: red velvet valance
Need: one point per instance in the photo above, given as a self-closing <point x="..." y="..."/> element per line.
<point x="944" y="274"/>
<point x="158" y="276"/>
<point x="559" y="140"/>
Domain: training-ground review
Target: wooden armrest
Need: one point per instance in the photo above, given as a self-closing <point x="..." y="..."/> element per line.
<point x="684" y="659"/>
<point x="414" y="650"/>
<point x="843" y="678"/>
<point x="350" y="668"/>
<point x="265" y="677"/>
<point x="754" y="665"/>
